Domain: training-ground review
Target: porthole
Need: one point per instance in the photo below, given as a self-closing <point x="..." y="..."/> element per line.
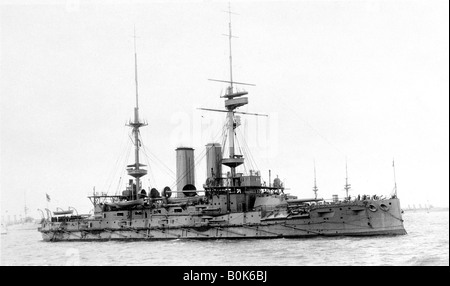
<point x="384" y="207"/>
<point x="372" y="208"/>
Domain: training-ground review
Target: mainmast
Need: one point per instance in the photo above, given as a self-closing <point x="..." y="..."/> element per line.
<point x="315" y="189"/>
<point x="229" y="41"/>
<point x="347" y="185"/>
<point x="136" y="78"/>
<point x="234" y="99"/>
<point x="231" y="104"/>
<point x="136" y="172"/>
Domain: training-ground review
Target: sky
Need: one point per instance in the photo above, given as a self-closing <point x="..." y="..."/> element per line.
<point x="356" y="82"/>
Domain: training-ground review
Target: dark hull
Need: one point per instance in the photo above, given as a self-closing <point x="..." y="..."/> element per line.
<point x="326" y="220"/>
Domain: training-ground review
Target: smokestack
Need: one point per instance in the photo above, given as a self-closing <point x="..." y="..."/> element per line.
<point x="213" y="160"/>
<point x="185" y="169"/>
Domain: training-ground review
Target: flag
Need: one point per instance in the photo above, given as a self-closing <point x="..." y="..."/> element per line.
<point x="48" y="197"/>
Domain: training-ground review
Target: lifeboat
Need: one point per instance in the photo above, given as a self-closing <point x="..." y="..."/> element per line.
<point x="124" y="204"/>
<point x="63" y="212"/>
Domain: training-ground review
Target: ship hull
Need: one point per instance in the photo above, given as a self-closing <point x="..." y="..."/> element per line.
<point x="352" y="219"/>
<point x="231" y="233"/>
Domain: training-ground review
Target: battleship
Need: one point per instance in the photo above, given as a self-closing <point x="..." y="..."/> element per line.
<point x="231" y="204"/>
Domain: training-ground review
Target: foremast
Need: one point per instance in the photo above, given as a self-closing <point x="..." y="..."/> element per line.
<point x="136" y="171"/>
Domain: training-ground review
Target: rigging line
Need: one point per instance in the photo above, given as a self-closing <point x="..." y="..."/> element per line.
<point x="239" y="147"/>
<point x="250" y="164"/>
<point x="117" y="166"/>
<point x="250" y="155"/>
<point x="296" y="114"/>
<point x="152" y="177"/>
<point x="247" y="163"/>
<point x="224" y="140"/>
<point x="126" y="160"/>
<point x="246" y="152"/>
<point x="150" y="153"/>
<point x="224" y="137"/>
<point x="150" y="170"/>
<point x="109" y="187"/>
<point x="124" y="166"/>
<point x="237" y="143"/>
<point x="169" y="174"/>
<point x="131" y="138"/>
<point x="221" y="133"/>
<point x="118" y="186"/>
<point x="157" y="160"/>
<point x="146" y="158"/>
<point x="114" y="169"/>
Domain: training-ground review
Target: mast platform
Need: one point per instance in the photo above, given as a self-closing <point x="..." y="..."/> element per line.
<point x="137" y="173"/>
<point x="232" y="162"/>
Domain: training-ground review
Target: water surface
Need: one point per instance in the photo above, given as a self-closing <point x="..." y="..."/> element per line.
<point x="427" y="243"/>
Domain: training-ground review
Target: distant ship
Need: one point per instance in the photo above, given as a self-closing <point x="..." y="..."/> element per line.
<point x="426" y="208"/>
<point x="4" y="229"/>
<point x="232" y="205"/>
<point x="25" y="222"/>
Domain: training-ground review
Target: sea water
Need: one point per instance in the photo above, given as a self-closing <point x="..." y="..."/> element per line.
<point x="427" y="243"/>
